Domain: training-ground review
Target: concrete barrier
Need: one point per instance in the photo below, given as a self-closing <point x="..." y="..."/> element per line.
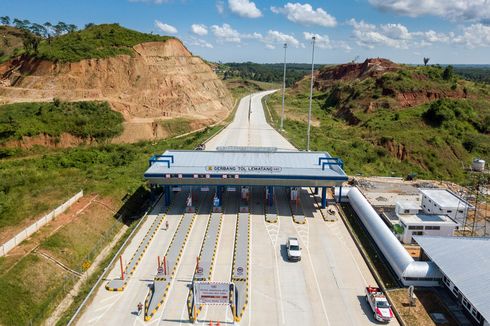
<point x="28" y="231"/>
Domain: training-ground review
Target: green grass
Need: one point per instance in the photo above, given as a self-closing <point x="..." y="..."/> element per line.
<point x="176" y="126"/>
<point x="29" y="289"/>
<point x="94" y="120"/>
<point x="242" y="87"/>
<point x="98" y="41"/>
<point x="391" y="141"/>
<point x="33" y="287"/>
<point x="34" y="184"/>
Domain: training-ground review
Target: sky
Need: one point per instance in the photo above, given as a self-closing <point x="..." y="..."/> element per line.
<point x="406" y="31"/>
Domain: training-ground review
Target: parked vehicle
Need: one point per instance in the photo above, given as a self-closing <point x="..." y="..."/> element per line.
<point x="294" y="251"/>
<point x="379" y="304"/>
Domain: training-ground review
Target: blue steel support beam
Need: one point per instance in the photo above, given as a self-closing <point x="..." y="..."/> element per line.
<point x="271" y="195"/>
<point x="340" y="194"/>
<point x="219" y="191"/>
<point x="324" y="197"/>
<point x="167" y="195"/>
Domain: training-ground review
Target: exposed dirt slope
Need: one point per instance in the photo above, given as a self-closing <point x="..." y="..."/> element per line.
<point x="163" y="80"/>
<point x="405" y="86"/>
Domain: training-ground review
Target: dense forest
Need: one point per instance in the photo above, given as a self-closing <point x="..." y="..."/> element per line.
<point x="269" y="72"/>
<point x="476" y="73"/>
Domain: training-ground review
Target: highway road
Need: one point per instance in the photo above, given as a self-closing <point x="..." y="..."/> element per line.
<point x="325" y="288"/>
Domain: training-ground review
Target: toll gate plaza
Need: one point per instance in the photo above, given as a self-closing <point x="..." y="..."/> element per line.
<point x="234" y="169"/>
<point x="212" y="247"/>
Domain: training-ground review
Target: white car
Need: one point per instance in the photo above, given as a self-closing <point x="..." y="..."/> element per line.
<point x="294" y="251"/>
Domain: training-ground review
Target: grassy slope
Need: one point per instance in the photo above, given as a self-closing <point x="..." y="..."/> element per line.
<point x="98" y="41"/>
<point x="10" y="43"/>
<point x="242" y="87"/>
<point x="35" y="183"/>
<point x="81" y="119"/>
<point x="369" y="147"/>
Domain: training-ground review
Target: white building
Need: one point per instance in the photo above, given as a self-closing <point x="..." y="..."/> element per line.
<point x="426" y="225"/>
<point x="442" y="201"/>
<point x="407" y="207"/>
<point x="465" y="265"/>
<point x="413" y="222"/>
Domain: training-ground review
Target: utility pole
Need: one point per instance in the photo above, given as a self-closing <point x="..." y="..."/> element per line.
<point x="283" y="86"/>
<point x="311" y="92"/>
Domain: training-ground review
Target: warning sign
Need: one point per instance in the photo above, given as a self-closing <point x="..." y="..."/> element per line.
<point x="212" y="293"/>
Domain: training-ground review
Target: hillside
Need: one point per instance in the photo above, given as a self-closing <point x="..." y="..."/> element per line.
<point x="11" y="44"/>
<point x="389" y="119"/>
<point x="153" y="81"/>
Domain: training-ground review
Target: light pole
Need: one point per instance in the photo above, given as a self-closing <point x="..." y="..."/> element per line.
<point x="311" y="92"/>
<point x="283" y="86"/>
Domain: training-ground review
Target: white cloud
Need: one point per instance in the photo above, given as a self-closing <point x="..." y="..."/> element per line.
<point x="200" y="42"/>
<point x="398" y="36"/>
<point x="226" y="33"/>
<point x="305" y="14"/>
<point x="469" y="10"/>
<point x="270" y="46"/>
<point x="244" y="8"/>
<point x="199" y="29"/>
<point x="433" y="37"/>
<point x="369" y="35"/>
<point x="324" y="42"/>
<point x="476" y="35"/>
<point x="165" y="27"/>
<point x="396" y="31"/>
<point x="276" y="37"/>
<point x="220" y="6"/>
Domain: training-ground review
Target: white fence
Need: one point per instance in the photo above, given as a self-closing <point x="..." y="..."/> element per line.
<point x="28" y="231"/>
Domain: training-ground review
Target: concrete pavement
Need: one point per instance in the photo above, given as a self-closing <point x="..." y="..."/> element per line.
<point x="325" y="288"/>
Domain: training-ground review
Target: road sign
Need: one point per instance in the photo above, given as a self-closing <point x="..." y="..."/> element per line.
<point x="213" y="293"/>
<point x="239" y="271"/>
<point x="160" y="270"/>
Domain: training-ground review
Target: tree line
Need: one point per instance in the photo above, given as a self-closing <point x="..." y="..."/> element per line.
<point x="33" y="33"/>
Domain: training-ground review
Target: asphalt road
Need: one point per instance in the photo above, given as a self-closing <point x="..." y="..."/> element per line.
<point x="325" y="288"/>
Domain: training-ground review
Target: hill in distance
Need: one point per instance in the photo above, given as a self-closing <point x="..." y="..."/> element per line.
<point x="384" y="118"/>
<point x="158" y="86"/>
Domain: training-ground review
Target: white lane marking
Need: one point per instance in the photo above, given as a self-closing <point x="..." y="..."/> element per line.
<point x="232" y="254"/>
<point x="316" y="280"/>
<point x="107" y="299"/>
<point x="177" y="268"/>
<point x="274" y="248"/>
<point x="250" y="271"/>
<point x="353" y="258"/>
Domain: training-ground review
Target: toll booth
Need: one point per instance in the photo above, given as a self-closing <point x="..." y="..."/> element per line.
<point x="233" y="169"/>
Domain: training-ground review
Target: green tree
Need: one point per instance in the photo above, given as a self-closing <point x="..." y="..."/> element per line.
<point x="71" y="28"/>
<point x="5" y="20"/>
<point x="59" y="28"/>
<point x="448" y="73"/>
<point x="30" y="42"/>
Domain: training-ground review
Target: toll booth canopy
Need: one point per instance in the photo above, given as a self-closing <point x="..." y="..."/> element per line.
<point x="245" y="166"/>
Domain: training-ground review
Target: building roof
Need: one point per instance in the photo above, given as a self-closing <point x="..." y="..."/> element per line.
<point x="426" y="219"/>
<point x="445" y="198"/>
<point x="204" y="166"/>
<point x="466" y="262"/>
<point x="405" y="204"/>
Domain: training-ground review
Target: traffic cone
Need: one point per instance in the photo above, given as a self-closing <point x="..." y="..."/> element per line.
<point x="210" y="323"/>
